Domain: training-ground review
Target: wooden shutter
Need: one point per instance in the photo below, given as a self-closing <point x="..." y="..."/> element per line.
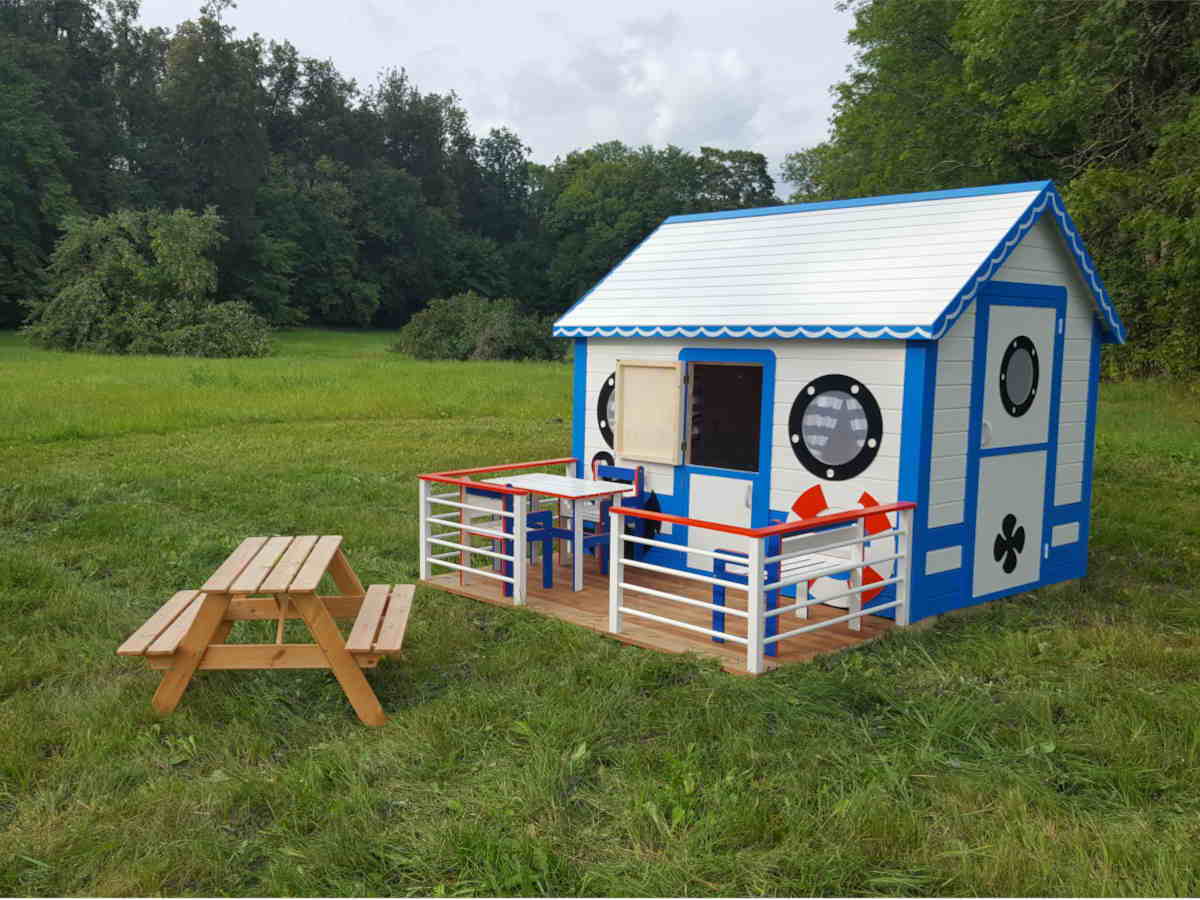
<point x="649" y="399"/>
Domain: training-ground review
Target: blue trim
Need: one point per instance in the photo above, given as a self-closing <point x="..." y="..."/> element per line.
<point x="916" y="451"/>
<point x="1089" y="448"/>
<point x="1047" y="197"/>
<point x="1008" y="293"/>
<point x="885" y="200"/>
<point x="579" y="409"/>
<point x="759" y="511"/>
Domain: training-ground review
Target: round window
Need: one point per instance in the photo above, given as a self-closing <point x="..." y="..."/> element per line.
<point x="1019" y="376"/>
<point x="835" y="427"/>
<point x="606" y="408"/>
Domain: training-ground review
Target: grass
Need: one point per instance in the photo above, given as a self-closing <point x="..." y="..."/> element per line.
<point x="1045" y="745"/>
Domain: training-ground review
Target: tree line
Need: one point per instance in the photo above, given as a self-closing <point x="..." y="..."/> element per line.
<point x="338" y="204"/>
<point x="1102" y="96"/>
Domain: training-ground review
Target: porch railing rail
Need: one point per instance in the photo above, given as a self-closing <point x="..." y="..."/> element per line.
<point x="765" y="562"/>
<point x="452" y="521"/>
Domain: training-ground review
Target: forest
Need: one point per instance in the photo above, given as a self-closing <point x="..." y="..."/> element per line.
<point x="306" y="197"/>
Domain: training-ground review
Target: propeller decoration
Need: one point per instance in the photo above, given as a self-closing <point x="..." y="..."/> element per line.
<point x="1009" y="543"/>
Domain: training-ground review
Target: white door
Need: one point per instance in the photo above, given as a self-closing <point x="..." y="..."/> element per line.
<point x="713" y="498"/>
<point x="1013" y="444"/>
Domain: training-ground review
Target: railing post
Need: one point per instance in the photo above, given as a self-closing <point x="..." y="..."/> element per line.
<point x="774" y="573"/>
<point x="520" y="548"/>
<point x="423" y="519"/>
<point x="616" y="570"/>
<point x="857" y="556"/>
<point x="754" y="607"/>
<point x="904" y="543"/>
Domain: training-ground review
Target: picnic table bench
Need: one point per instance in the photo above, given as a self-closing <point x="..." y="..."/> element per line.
<point x="277" y="578"/>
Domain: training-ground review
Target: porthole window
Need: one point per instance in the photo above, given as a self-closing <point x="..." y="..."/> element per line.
<point x="606" y="408"/>
<point x="835" y="427"/>
<point x="1019" y="376"/>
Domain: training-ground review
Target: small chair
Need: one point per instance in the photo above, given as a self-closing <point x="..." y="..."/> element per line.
<point x="539" y="529"/>
<point x="599" y="541"/>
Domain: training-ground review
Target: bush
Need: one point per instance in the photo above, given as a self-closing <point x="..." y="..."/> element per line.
<point x="468" y="326"/>
<point x="142" y="282"/>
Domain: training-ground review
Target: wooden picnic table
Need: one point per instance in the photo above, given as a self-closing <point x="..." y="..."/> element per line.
<point x="277" y="578"/>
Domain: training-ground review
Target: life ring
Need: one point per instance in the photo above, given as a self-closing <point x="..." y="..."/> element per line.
<point x="813" y="503"/>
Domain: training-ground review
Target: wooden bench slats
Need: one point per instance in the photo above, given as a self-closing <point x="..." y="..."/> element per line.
<point x="141" y="639"/>
<point x="395" y="620"/>
<point x="362" y="634"/>
<point x="289" y="564"/>
<point x="314" y="567"/>
<point x="167" y="642"/>
<point x="232" y="567"/>
<point x="260" y="566"/>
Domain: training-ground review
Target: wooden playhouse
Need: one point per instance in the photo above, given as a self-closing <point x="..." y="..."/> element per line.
<point x="884" y="406"/>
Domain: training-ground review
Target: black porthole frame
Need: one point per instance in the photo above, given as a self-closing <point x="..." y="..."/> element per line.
<point x="870" y="449"/>
<point x="603" y="458"/>
<point x="1020" y="342"/>
<point x="606" y="432"/>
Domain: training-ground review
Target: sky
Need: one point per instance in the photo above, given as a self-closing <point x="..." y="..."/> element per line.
<point x="564" y="76"/>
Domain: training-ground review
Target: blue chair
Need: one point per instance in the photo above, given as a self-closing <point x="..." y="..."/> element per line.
<point x="539" y="529"/>
<point x="598" y="541"/>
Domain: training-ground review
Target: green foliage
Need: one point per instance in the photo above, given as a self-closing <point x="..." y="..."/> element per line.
<point x="1097" y="96"/>
<point x="468" y="326"/>
<point x="142" y="282"/>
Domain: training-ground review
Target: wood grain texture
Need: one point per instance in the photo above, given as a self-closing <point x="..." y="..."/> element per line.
<point x="229" y="570"/>
<point x="188" y="654"/>
<point x="280" y="577"/>
<point x="589" y="609"/>
<point x="260" y="566"/>
<point x="345" y="669"/>
<point x="395" y="621"/>
<point x="316" y="565"/>
<point x="138" y="642"/>
<point x="366" y="626"/>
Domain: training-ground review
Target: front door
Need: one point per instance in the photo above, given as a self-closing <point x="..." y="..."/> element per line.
<point x="727" y="444"/>
<point x="1018" y="340"/>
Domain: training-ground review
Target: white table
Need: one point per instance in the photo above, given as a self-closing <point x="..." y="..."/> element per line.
<point x="566" y="488"/>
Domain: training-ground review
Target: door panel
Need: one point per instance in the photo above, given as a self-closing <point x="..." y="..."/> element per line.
<point x="1008" y="521"/>
<point x="717" y="499"/>
<point x="1018" y="370"/>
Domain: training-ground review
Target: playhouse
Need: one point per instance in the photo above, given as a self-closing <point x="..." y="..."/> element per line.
<point x="919" y="369"/>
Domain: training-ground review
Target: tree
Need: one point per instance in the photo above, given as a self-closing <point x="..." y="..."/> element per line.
<point x="142" y="282"/>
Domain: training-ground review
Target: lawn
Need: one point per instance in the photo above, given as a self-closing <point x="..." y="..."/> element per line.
<point x="1046" y="745"/>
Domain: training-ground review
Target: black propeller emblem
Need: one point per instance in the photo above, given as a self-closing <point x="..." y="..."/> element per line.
<point x="1009" y="543"/>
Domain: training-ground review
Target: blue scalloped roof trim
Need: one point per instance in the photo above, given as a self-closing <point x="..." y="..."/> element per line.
<point x="1048" y="197"/>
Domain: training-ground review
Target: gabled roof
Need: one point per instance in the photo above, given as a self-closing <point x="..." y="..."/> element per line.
<point x="901" y="266"/>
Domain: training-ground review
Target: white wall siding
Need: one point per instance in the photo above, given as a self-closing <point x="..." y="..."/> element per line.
<point x="877" y="364"/>
<point x="889" y="264"/>
<point x="1043" y="259"/>
<point x="951" y="413"/>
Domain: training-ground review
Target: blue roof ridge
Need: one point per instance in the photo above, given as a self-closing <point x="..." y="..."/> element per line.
<point x="885" y="200"/>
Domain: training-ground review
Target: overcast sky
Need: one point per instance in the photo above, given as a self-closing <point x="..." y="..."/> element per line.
<point x="709" y="72"/>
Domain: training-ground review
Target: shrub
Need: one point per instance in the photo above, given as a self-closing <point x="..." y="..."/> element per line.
<point x="468" y="326"/>
<point x="142" y="282"/>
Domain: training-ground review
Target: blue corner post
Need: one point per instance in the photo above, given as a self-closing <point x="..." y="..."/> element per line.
<point x="774" y="548"/>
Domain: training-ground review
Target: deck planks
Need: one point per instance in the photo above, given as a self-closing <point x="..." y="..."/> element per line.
<point x="589" y="609"/>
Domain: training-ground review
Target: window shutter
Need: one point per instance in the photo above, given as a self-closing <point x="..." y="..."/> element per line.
<point x="649" y="400"/>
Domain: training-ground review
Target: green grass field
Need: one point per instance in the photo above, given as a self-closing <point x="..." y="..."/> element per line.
<point x="1045" y="745"/>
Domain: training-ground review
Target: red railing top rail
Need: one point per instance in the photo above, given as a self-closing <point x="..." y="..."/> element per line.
<point x="780" y="529"/>
<point x="455" y="476"/>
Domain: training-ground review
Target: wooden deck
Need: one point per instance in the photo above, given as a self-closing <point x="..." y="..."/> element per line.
<point x="589" y="608"/>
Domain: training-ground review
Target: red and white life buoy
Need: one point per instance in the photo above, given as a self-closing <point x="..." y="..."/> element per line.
<point x="813" y="503"/>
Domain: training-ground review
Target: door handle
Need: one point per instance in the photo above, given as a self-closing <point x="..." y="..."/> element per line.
<point x="749" y="495"/>
<point x="985" y="436"/>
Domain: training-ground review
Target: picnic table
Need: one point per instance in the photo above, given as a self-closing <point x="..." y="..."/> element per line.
<point x="277" y="578"/>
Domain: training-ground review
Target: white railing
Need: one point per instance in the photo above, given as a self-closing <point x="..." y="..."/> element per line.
<point x="451" y="521"/>
<point x="780" y="559"/>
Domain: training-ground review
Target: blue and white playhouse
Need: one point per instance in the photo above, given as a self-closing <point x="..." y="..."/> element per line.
<point x="932" y="357"/>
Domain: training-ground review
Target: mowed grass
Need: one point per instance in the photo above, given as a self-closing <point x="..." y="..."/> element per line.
<point x="1048" y="744"/>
